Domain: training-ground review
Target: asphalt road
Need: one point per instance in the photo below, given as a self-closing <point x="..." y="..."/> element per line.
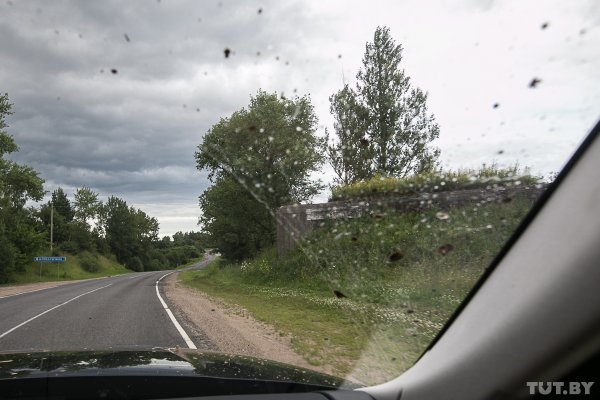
<point x="120" y="312"/>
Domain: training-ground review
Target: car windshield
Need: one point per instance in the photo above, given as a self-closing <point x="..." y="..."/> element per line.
<point x="314" y="183"/>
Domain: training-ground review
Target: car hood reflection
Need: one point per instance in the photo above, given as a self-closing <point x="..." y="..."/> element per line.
<point x="163" y="362"/>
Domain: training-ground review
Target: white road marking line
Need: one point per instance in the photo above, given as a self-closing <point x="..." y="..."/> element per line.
<point x="184" y="335"/>
<point x="50" y="309"/>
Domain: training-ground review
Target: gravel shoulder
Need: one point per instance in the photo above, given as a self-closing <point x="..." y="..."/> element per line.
<point x="221" y="327"/>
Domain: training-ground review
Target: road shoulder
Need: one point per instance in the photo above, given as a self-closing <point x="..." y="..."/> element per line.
<point x="14" y="290"/>
<point x="229" y="329"/>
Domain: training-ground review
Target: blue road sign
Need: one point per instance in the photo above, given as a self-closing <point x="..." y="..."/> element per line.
<point x="50" y="259"/>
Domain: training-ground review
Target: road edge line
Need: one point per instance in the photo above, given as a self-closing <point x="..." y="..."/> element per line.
<point x="179" y="328"/>
<point x="50" y="309"/>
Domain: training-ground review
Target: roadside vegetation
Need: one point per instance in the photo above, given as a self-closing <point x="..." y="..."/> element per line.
<point x="82" y="266"/>
<point x="365" y="297"/>
<point x="361" y="296"/>
<point x="82" y="225"/>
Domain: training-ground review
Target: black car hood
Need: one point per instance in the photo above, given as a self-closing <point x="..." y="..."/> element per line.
<point x="162" y="362"/>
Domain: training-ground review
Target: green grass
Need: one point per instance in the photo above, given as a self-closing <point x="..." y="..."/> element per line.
<point x="399" y="274"/>
<point x="437" y="181"/>
<point x="68" y="270"/>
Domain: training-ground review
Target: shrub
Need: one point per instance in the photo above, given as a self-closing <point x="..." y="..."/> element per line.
<point x="135" y="264"/>
<point x="89" y="262"/>
<point x="69" y="247"/>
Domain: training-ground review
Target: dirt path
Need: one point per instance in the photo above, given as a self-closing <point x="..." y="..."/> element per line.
<point x="226" y="328"/>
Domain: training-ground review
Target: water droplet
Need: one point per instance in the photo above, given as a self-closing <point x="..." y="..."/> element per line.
<point x="442" y="216"/>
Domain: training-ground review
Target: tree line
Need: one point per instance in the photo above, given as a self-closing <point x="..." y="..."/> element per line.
<point x="84" y="225"/>
<point x="269" y="154"/>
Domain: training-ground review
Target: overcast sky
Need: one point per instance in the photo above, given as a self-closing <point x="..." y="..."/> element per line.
<point x="133" y="133"/>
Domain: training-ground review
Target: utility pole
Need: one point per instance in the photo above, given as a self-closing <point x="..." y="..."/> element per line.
<point x="51" y="226"/>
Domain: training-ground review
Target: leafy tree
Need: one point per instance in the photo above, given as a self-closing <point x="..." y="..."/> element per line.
<point x="178" y="239"/>
<point x="259" y="159"/>
<point x="19" y="231"/>
<point x="130" y="232"/>
<point x="135" y="264"/>
<point x="87" y="205"/>
<point x="80" y="234"/>
<point x="60" y="226"/>
<point x="351" y="155"/>
<point x="119" y="229"/>
<point x="398" y="126"/>
<point x="237" y="223"/>
<point x="62" y="205"/>
<point x="270" y="149"/>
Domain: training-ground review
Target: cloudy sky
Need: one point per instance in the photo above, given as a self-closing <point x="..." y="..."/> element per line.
<point x="133" y="133"/>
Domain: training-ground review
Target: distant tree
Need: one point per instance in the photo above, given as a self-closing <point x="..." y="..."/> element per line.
<point x="20" y="234"/>
<point x="164" y="243"/>
<point x="119" y="228"/>
<point x="265" y="155"/>
<point x="398" y="127"/>
<point x="62" y="205"/>
<point x="352" y="153"/>
<point x="129" y="232"/>
<point x="86" y="204"/>
<point x="80" y="234"/>
<point x="60" y="226"/>
<point x="178" y="239"/>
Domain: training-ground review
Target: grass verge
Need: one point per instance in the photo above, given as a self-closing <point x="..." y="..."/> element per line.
<point x="68" y="270"/>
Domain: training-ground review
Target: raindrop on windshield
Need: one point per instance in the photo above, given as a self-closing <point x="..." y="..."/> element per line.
<point x="442" y="216"/>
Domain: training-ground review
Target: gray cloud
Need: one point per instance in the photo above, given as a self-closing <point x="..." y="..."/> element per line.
<point x="134" y="133"/>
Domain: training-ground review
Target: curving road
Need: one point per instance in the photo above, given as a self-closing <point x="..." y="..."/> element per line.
<point x="121" y="312"/>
